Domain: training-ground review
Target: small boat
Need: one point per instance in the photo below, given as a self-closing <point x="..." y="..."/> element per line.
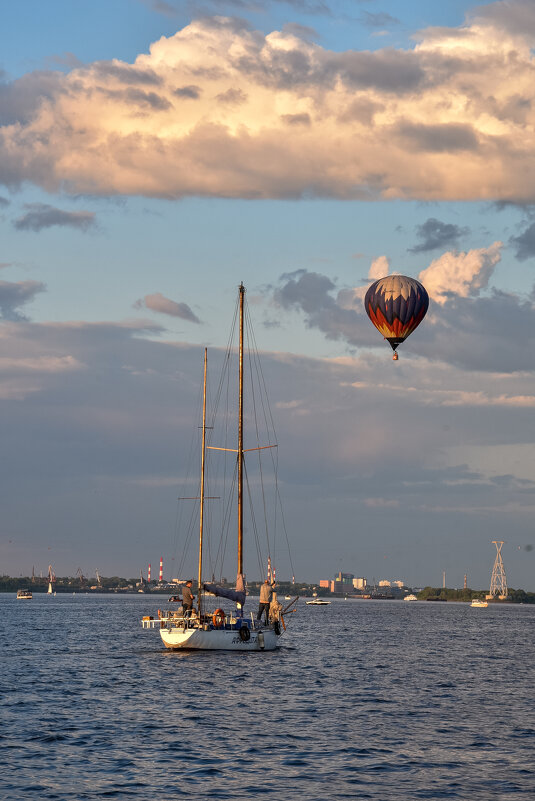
<point x="24" y="595"/>
<point x="287" y="597"/>
<point x="410" y="597"/>
<point x="318" y="602"/>
<point x="479" y="602"/>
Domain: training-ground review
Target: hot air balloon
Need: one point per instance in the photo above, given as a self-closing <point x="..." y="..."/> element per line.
<point x="396" y="305"/>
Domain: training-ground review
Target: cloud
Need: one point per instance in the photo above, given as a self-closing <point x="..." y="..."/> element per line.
<point x="13" y="295"/>
<point x="379" y="268"/>
<point x="435" y="234"/>
<point x="494" y="333"/>
<point x="389" y="450"/>
<point x="378" y="20"/>
<point x="159" y="303"/>
<point x="460" y="274"/>
<point x="453" y="118"/>
<point x="3" y="202"/>
<point x="41" y="215"/>
<point x="524" y="244"/>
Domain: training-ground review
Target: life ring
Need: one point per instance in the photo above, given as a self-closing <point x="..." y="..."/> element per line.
<point x="245" y="634"/>
<point x="218" y="618"/>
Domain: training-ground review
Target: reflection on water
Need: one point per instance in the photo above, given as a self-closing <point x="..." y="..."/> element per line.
<point x="365" y="700"/>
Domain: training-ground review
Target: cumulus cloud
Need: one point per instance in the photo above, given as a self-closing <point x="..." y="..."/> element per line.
<point x="41" y="215"/>
<point x="222" y="110"/>
<point x="159" y="303"/>
<point x="13" y="295"/>
<point x="434" y="234"/>
<point x="460" y="274"/>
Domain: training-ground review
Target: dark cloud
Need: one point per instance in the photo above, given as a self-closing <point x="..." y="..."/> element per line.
<point x="20" y="99"/>
<point x="515" y="16"/>
<point x="301" y="31"/>
<point x="378" y="20"/>
<point x="14" y="295"/>
<point x="435" y="234"/>
<point x="137" y="97"/>
<point x="40" y="215"/>
<point x="3" y="202"/>
<point x="438" y="138"/>
<point x="159" y="303"/>
<point x="296" y="119"/>
<point x="124" y="73"/>
<point x="193" y="92"/>
<point x="488" y="334"/>
<point x="78" y="443"/>
<point x="524" y="244"/>
<point x="388" y="69"/>
<point x="232" y="97"/>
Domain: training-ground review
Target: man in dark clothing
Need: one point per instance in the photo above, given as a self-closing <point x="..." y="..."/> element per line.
<point x="265" y="598"/>
<point x="187" y="598"/>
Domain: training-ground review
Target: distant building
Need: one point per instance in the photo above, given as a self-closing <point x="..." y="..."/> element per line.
<point x="344" y="578"/>
<point x="325" y="583"/>
<point x="398" y="583"/>
<point x="359" y="583"/>
<point x="384" y="583"/>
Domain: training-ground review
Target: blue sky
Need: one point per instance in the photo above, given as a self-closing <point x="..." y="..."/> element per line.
<point x="154" y="155"/>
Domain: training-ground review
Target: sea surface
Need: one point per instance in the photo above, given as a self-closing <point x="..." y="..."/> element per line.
<point x="364" y="700"/>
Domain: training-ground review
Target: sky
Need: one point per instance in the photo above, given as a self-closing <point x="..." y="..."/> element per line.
<point x="156" y="153"/>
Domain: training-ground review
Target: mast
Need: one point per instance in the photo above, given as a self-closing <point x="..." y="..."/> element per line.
<point x="240" y="439"/>
<point x="203" y="450"/>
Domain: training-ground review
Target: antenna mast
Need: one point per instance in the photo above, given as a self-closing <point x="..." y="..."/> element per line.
<point x="498" y="581"/>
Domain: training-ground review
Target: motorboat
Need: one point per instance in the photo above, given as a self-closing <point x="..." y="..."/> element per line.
<point x="24" y="595"/>
<point x="479" y="602"/>
<point x="410" y="597"/>
<point x="318" y="602"/>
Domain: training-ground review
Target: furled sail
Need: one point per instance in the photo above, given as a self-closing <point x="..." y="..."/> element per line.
<point x="237" y="594"/>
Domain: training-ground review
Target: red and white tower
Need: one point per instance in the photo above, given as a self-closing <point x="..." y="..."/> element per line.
<point x="161" y="569"/>
<point x="148" y="575"/>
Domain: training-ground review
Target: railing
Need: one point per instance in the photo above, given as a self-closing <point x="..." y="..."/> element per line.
<point x="170" y="619"/>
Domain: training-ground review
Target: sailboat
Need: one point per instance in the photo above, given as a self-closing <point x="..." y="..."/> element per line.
<point x="220" y="630"/>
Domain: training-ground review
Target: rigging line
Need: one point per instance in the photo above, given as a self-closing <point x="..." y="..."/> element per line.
<point x="185" y="482"/>
<point x="253" y="522"/>
<point x="270" y="431"/>
<point x="285" y="533"/>
<point x="260" y="460"/>
<point x="225" y="527"/>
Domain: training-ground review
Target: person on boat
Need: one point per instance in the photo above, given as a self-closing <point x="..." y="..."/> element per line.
<point x="187" y="598"/>
<point x="265" y="598"/>
<point x="275" y="607"/>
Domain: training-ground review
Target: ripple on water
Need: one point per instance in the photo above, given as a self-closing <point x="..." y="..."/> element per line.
<point x="388" y="703"/>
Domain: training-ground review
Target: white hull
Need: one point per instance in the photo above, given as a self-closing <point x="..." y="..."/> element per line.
<point x="218" y="639"/>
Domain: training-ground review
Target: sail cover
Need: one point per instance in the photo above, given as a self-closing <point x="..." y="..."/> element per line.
<point x="237" y="594"/>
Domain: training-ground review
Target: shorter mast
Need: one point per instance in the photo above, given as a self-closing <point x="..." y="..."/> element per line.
<point x="201" y="510"/>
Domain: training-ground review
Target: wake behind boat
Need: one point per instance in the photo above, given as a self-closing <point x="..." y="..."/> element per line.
<point x="198" y="627"/>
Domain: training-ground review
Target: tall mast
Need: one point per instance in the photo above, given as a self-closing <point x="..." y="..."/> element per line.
<point x="240" y="440"/>
<point x="201" y="511"/>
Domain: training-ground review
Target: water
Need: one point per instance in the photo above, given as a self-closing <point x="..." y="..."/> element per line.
<point x="366" y="700"/>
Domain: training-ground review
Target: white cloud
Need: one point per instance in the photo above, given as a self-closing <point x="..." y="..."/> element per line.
<point x="222" y="110"/>
<point x="460" y="274"/>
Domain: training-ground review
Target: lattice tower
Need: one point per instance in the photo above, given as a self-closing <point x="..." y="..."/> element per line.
<point x="498" y="581"/>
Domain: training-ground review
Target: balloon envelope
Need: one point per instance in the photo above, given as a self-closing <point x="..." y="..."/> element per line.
<point x="396" y="305"/>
